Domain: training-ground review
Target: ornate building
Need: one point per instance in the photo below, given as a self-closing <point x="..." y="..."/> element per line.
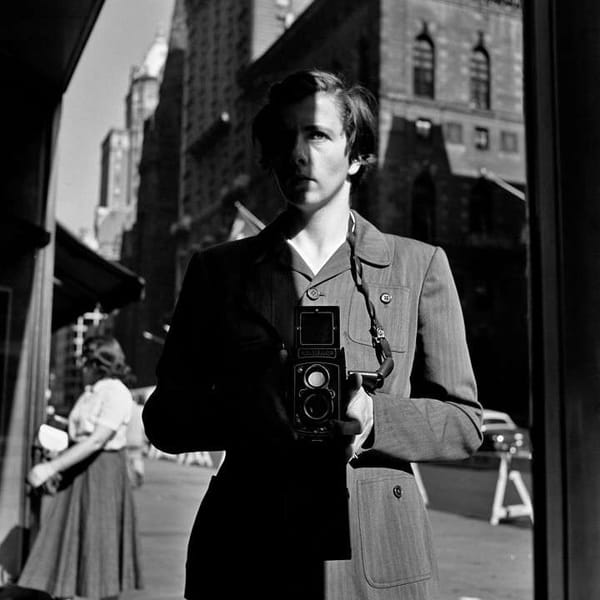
<point x="121" y="153"/>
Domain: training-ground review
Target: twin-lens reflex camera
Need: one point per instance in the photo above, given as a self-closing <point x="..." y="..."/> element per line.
<point x="318" y="372"/>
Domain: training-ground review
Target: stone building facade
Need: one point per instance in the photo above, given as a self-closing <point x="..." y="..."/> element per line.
<point x="224" y="36"/>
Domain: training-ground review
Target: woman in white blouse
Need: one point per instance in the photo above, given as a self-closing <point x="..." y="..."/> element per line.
<point x="87" y="545"/>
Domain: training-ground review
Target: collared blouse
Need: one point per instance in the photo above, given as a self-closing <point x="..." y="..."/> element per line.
<point x="108" y="402"/>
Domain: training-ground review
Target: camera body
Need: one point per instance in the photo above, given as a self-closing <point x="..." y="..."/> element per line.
<point x="318" y="372"/>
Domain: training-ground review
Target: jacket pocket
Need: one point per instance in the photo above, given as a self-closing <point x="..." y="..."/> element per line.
<point x="394" y="530"/>
<point x="391" y="307"/>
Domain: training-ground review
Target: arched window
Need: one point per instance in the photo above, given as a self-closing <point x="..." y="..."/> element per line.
<point x="423" y="208"/>
<point x="423" y="66"/>
<point x="480" y="78"/>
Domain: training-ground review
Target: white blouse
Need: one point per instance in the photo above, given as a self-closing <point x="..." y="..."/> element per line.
<point x="108" y="402"/>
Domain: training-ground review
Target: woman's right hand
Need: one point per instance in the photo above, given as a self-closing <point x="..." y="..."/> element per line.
<point x="41" y="473"/>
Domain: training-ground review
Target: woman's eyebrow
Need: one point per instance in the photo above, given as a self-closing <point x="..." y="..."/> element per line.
<point x="319" y="127"/>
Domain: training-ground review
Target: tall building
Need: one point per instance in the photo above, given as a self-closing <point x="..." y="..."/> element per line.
<point x="149" y="247"/>
<point x="224" y="37"/>
<point x="141" y="102"/>
<point x="448" y="78"/>
<point x="113" y="206"/>
<point x="121" y="152"/>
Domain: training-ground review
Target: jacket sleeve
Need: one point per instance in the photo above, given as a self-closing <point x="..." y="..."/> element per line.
<point x="442" y="418"/>
<point x="185" y="413"/>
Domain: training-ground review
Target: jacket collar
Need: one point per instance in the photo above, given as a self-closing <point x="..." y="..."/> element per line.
<point x="371" y="244"/>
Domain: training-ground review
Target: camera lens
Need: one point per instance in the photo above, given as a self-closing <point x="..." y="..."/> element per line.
<point x="316" y="377"/>
<point x="317" y="406"/>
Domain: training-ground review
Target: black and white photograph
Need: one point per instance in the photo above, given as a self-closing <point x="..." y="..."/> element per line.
<point x="299" y="300"/>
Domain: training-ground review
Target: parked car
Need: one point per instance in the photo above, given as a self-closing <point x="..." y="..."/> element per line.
<point x="502" y="434"/>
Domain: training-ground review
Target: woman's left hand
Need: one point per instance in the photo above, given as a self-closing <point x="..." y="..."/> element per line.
<point x="359" y="415"/>
<point x="41" y="473"/>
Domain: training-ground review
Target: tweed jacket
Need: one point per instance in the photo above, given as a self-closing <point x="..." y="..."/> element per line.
<point x="238" y="299"/>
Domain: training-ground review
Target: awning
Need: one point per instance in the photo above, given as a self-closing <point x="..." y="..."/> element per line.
<point x="43" y="41"/>
<point x="83" y="279"/>
<point x="465" y="161"/>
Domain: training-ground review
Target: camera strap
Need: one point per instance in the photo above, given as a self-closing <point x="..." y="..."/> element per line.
<point x="380" y="343"/>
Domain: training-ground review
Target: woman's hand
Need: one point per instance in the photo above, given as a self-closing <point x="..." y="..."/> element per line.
<point x="359" y="415"/>
<point x="41" y="473"/>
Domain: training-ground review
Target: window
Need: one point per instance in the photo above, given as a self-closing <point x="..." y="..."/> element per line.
<point x="482" y="138"/>
<point x="454" y="133"/>
<point x="480" y="78"/>
<point x="509" y="142"/>
<point x="423" y="66"/>
<point x="423" y="127"/>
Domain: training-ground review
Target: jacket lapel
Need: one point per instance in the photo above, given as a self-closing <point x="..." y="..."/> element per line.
<point x="268" y="290"/>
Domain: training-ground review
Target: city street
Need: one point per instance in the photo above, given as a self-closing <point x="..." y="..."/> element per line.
<point x="477" y="561"/>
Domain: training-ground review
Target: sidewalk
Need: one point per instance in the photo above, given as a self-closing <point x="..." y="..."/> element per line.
<point x="477" y="560"/>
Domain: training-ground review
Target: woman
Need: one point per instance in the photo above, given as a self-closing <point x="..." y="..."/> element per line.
<point x="87" y="545"/>
<point x="225" y="369"/>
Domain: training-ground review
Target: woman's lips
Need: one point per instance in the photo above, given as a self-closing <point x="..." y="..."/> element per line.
<point x="298" y="180"/>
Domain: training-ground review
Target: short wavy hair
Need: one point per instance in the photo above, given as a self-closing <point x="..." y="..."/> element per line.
<point x="357" y="108"/>
<point x="107" y="356"/>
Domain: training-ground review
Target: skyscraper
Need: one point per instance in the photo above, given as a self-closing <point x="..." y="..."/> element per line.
<point x="121" y="152"/>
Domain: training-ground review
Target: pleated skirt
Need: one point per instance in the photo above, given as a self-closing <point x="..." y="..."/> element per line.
<point x="88" y="543"/>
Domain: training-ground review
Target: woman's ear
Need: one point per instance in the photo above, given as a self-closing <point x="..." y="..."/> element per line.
<point x="354" y="166"/>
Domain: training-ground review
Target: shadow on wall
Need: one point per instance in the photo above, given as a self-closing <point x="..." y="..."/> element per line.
<point x="424" y="193"/>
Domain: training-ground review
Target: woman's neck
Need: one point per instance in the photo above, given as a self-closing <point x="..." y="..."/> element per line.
<point x="318" y="235"/>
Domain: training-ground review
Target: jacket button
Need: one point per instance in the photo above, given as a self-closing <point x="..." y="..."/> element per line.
<point x="385" y="298"/>
<point x="397" y="491"/>
<point x="312" y="293"/>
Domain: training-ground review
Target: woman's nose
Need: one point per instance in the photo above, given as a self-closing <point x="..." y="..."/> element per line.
<point x="299" y="153"/>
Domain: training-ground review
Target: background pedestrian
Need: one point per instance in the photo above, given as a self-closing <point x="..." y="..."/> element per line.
<point x="87" y="545"/>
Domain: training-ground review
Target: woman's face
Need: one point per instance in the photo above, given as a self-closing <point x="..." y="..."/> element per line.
<point x="312" y="165"/>
<point x="91" y="373"/>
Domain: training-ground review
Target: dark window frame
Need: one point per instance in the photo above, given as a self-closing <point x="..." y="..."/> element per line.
<point x="423" y="66"/>
<point x="424" y="128"/>
<point x="480" y="79"/>
<point x="479" y="133"/>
